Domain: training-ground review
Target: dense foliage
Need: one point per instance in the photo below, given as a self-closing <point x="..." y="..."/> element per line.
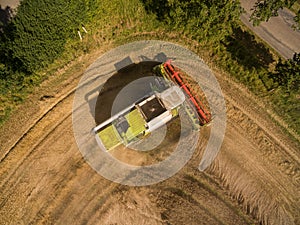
<point x="208" y="21"/>
<point x="38" y="33"/>
<point x="287" y="74"/>
<point x="33" y="39"/>
<point x="264" y="10"/>
<point x="286" y="92"/>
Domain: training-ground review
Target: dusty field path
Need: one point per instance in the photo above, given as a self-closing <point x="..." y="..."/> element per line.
<point x="44" y="179"/>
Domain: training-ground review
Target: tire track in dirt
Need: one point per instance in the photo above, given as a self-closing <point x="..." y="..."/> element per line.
<point x="45" y="180"/>
<point x="187" y="200"/>
<point x="24" y="161"/>
<point x="255" y="180"/>
<point x="128" y="206"/>
<point x="281" y="154"/>
<point x="266" y="144"/>
<point x="64" y="196"/>
<point x="59" y="86"/>
<point x="60" y="180"/>
<point x="260" y="114"/>
<point x="48" y="201"/>
<point x="269" y="145"/>
<point x="34" y="140"/>
<point x="34" y="123"/>
<point x="54" y="208"/>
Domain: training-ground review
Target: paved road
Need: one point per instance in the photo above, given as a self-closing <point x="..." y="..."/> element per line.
<point x="11" y="3"/>
<point x="277" y="32"/>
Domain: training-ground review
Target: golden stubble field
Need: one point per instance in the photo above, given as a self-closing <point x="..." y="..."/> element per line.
<point x="45" y="180"/>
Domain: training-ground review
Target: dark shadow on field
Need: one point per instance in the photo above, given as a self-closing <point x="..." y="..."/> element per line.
<point x="117" y="82"/>
<point x="5" y="16"/>
<point x="160" y="57"/>
<point x="247" y="51"/>
<point x="159" y="7"/>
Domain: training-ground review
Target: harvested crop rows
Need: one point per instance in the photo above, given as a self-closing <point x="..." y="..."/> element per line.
<point x="44" y="179"/>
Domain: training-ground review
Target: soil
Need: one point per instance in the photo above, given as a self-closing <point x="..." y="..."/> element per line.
<point x="44" y="179"/>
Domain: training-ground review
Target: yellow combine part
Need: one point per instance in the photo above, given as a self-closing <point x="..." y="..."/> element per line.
<point x="109" y="137"/>
<point x="136" y="124"/>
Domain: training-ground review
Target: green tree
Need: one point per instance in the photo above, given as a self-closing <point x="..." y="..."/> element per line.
<point x="208" y="21"/>
<point x="37" y="34"/>
<point x="287" y="74"/>
<point x="264" y="10"/>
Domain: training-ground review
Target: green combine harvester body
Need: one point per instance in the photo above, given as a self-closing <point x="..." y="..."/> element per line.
<point x="140" y="118"/>
<point x="147" y="114"/>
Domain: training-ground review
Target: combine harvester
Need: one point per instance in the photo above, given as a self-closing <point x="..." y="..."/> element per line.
<point x="152" y="111"/>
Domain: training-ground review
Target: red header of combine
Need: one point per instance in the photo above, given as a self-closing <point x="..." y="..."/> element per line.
<point x="203" y="114"/>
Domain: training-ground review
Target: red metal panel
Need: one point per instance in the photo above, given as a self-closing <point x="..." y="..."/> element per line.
<point x="204" y="115"/>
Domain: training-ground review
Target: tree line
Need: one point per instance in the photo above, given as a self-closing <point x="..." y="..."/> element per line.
<point x="37" y="34"/>
<point x="32" y="39"/>
<point x="264" y="10"/>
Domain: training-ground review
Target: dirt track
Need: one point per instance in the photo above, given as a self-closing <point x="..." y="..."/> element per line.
<point x="44" y="179"/>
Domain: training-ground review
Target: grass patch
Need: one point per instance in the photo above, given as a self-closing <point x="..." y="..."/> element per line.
<point x="295" y="7"/>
